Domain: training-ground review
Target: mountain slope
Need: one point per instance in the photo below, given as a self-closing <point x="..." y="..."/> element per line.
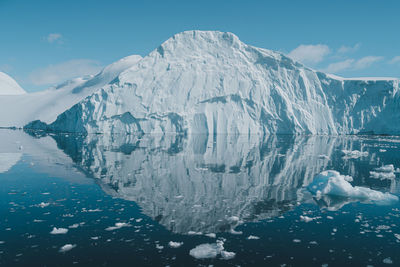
<point x="211" y="82"/>
<point x="8" y="86"/>
<point x="18" y="110"/>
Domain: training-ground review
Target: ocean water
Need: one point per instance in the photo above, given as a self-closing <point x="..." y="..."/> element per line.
<point x="119" y="201"/>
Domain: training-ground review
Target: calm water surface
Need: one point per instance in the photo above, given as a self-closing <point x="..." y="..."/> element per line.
<point x="121" y="199"/>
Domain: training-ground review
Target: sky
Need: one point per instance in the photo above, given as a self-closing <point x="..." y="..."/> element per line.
<point x="43" y="43"/>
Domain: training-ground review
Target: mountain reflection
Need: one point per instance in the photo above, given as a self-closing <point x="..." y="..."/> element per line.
<point x="211" y="184"/>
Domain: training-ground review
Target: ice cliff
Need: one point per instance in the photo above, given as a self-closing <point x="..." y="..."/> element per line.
<point x="211" y="82"/>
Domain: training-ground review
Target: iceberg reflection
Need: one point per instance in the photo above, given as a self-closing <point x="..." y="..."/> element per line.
<point x="209" y="184"/>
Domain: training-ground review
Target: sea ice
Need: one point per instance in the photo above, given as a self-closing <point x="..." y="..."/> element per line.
<point x="208" y="251"/>
<point x="117" y="226"/>
<point x="67" y="247"/>
<point x="334" y="184"/>
<point x="58" y="231"/>
<point x="173" y="244"/>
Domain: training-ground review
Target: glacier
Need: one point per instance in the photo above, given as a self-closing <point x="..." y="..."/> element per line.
<point x="209" y="82"/>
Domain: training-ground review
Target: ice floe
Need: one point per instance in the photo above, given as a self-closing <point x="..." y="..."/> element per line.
<point x="173" y="244"/>
<point x="332" y="183"/>
<point x="208" y="251"/>
<point x="59" y="231"/>
<point x="67" y="247"/>
<point x="117" y="225"/>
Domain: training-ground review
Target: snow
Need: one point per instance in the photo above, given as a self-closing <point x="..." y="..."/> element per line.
<point x="211" y="82"/>
<point x="19" y="109"/>
<point x="208" y="251"/>
<point x="332" y="183"/>
<point x="173" y="244"/>
<point x="58" y="231"/>
<point x="67" y="247"/>
<point x="8" y="86"/>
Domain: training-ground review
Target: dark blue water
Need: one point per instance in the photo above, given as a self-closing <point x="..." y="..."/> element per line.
<point x="184" y="188"/>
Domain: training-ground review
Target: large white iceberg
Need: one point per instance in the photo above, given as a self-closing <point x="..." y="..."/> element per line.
<point x="211" y="82"/>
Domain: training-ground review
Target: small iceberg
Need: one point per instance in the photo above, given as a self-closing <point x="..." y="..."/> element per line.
<point x="209" y="251"/>
<point x="332" y="183"/>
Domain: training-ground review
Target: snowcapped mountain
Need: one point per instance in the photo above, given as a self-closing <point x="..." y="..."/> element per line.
<point x="211" y="82"/>
<point x="18" y="110"/>
<point x="8" y="86"/>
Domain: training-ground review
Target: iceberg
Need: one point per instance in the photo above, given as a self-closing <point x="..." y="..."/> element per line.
<point x="210" y="82"/>
<point x="332" y="183"/>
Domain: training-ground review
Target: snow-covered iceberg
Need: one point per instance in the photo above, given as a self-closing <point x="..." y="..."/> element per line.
<point x="211" y="82"/>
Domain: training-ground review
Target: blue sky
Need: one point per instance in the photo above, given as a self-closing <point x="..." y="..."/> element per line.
<point x="45" y="42"/>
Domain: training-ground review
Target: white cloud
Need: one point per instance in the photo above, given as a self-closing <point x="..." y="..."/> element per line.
<point x="339" y="66"/>
<point x="351" y="64"/>
<point x="310" y="54"/>
<point x="365" y="62"/>
<point x="53" y="74"/>
<point x="348" y="49"/>
<point x="54" y="37"/>
<point x="395" y="60"/>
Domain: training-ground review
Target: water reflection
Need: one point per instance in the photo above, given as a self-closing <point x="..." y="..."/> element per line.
<point x="211" y="184"/>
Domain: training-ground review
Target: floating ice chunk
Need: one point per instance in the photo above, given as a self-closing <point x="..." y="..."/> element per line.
<point x="227" y="255"/>
<point x="296" y="240"/>
<point x="212" y="235"/>
<point x="354" y="154"/>
<point x="253" y="237"/>
<point x="397" y="170"/>
<point x="306" y="218"/>
<point x="234" y="232"/>
<point x="43" y="204"/>
<point x="194" y="233"/>
<point x="384" y="172"/>
<point x="67" y="247"/>
<point x="173" y="244"/>
<point x="117" y="226"/>
<point x="209" y="251"/>
<point x="159" y="247"/>
<point x="385" y="168"/>
<point x="382" y="175"/>
<point x="332" y="183"/>
<point x="388" y="260"/>
<point x="59" y="231"/>
<point x="382" y="150"/>
<point x="397" y="236"/>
